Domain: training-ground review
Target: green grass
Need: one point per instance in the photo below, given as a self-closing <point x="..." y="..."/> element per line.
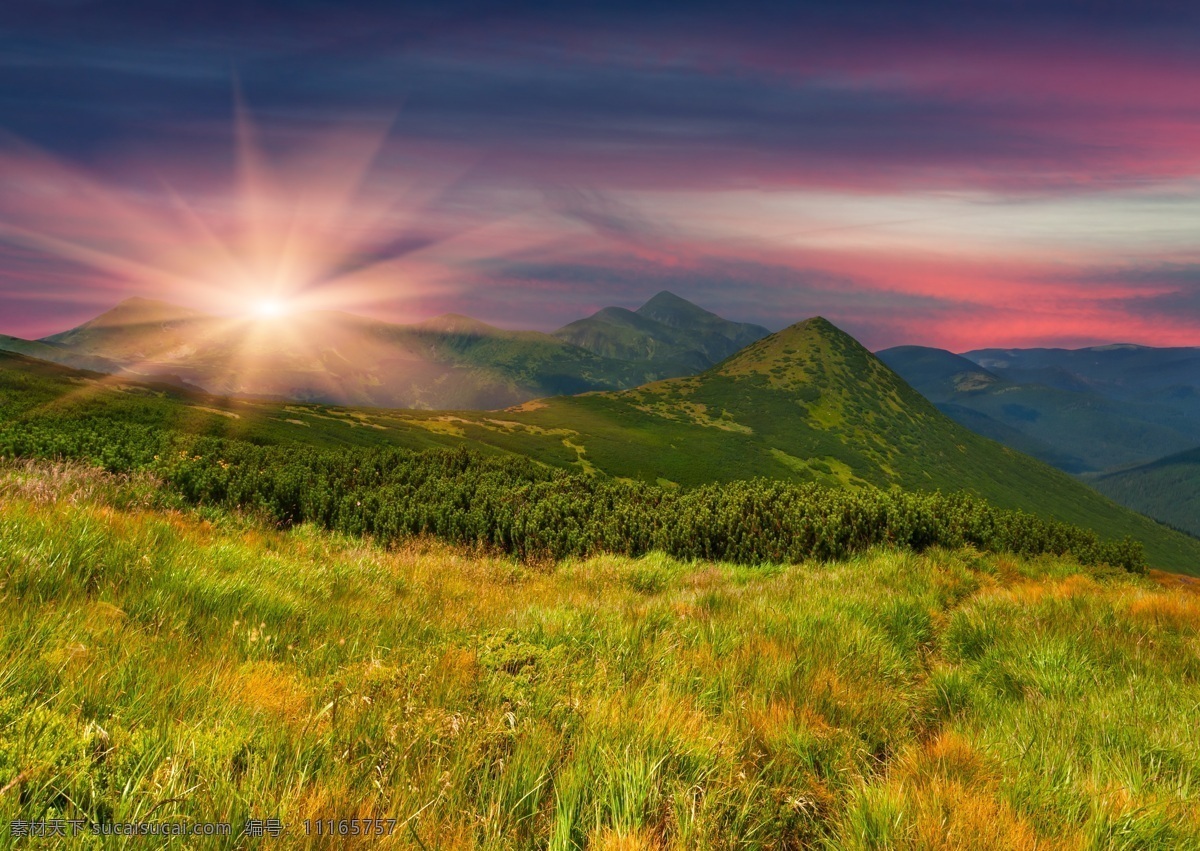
<point x="171" y="665"/>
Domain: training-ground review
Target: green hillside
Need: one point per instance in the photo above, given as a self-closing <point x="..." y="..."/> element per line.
<point x="808" y="404"/>
<point x="811" y="404"/>
<point x="1167" y="489"/>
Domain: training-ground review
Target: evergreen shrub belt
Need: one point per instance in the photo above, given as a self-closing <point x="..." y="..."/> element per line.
<point x="519" y="507"/>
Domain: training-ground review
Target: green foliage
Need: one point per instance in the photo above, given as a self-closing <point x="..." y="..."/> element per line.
<point x="509" y="505"/>
<point x="342" y="474"/>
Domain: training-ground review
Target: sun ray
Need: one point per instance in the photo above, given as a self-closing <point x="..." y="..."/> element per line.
<point x="305" y="226"/>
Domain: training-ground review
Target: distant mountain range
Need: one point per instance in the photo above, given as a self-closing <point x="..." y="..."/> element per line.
<point x="1125" y="418"/>
<point x="449" y="362"/>
<point x="1074" y="422"/>
<point x="668" y="331"/>
<point x="1126" y="372"/>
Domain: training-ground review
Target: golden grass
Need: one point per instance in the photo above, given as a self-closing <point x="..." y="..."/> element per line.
<point x="271" y="688"/>
<point x="1172" y="610"/>
<point x="608" y="839"/>
<point x="950" y="793"/>
<point x="601" y="703"/>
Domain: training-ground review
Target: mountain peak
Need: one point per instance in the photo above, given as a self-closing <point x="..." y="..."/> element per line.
<point x="805" y="332"/>
<point x="137" y="301"/>
<point x="666" y="297"/>
<point x="141" y="303"/>
<point x="676" y="336"/>
<point x="821" y="405"/>
<point x="814" y="350"/>
<point x="816" y="324"/>
<point x="138" y="310"/>
<point x="670" y="309"/>
<point x="129" y="313"/>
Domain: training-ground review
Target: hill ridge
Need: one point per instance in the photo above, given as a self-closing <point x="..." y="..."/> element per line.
<point x="669" y="332"/>
<point x="451" y="361"/>
<point x="719" y="426"/>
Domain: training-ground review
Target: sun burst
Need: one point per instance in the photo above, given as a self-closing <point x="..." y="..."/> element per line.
<point x="259" y="258"/>
<point x="271" y="309"/>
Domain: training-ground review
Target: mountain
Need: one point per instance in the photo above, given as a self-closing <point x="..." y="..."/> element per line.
<point x="339" y="358"/>
<point x="139" y="329"/>
<point x="447" y="362"/>
<point x="1159" y="378"/>
<point x="806" y="404"/>
<point x="1167" y="489"/>
<point x="1078" y="430"/>
<point x="668" y="332"/>
<point x="939" y="375"/>
<point x="809" y="403"/>
<point x="675" y="312"/>
<point x="1119" y="371"/>
<point x="55" y="354"/>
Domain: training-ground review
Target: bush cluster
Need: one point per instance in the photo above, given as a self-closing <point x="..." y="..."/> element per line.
<point x="516" y="506"/>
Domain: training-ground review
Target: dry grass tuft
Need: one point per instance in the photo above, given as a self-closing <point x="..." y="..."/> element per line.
<point x="1174" y="611"/>
<point x="952" y="802"/>
<point x="610" y="840"/>
<point x="270" y="688"/>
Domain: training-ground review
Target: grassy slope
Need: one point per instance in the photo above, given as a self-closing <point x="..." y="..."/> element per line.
<point x="1167" y="489"/>
<point x="159" y="666"/>
<point x="806" y="404"/>
<point x="47" y="393"/>
<point x="810" y="403"/>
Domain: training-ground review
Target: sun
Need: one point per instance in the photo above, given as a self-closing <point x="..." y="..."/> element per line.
<point x="270" y="309"/>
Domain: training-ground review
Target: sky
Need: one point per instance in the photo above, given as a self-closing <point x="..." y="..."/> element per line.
<point x="960" y="175"/>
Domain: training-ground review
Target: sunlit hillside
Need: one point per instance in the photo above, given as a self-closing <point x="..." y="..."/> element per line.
<point x="448" y="361"/>
<point x="806" y="405"/>
<point x="159" y="665"/>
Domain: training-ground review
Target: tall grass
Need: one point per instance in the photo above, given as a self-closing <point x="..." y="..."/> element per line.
<point x="163" y="665"/>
